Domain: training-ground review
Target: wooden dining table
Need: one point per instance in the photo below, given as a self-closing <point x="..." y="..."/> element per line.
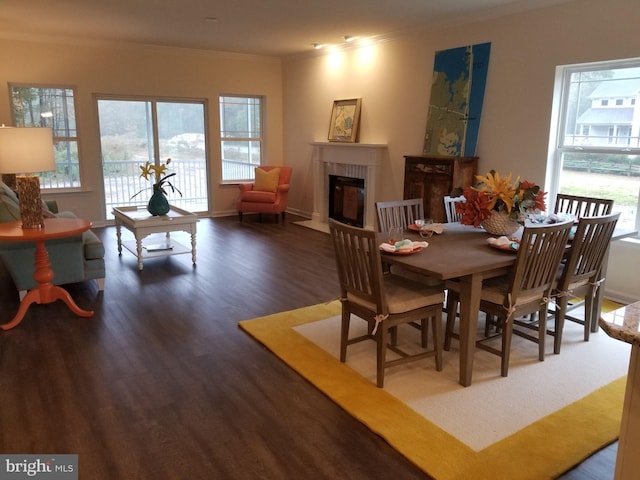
<point x="460" y="252"/>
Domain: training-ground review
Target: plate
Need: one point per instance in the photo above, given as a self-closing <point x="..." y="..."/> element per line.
<point x="414" y="227"/>
<point x="404" y="252"/>
<point x="505" y="248"/>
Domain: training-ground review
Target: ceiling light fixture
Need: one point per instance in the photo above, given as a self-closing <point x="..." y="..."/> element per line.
<point x="211" y="19"/>
<point x="317" y="46"/>
<point x="349" y="38"/>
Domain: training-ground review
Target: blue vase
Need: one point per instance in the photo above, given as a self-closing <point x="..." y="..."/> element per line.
<point x="158" y="203"/>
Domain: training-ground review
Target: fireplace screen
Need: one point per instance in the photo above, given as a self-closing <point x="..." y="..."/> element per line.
<point x="346" y="200"/>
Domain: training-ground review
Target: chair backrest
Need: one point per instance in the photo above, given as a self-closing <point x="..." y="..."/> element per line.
<point x="450" y="207"/>
<point x="588" y="250"/>
<point x="539" y="255"/>
<point x="583" y="206"/>
<point x="359" y="265"/>
<point x="399" y="213"/>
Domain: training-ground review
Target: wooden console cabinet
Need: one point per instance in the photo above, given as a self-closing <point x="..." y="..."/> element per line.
<point x="431" y="177"/>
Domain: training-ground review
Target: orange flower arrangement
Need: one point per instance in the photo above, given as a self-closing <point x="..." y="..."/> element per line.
<point x="495" y="193"/>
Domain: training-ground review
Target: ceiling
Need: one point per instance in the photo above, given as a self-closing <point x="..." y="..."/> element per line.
<point x="279" y="28"/>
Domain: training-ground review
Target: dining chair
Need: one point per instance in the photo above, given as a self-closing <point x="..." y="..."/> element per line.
<point x="582" y="206"/>
<point x="450" y="207"/>
<point x="384" y="301"/>
<point x="399" y="213"/>
<point x="579" y="275"/>
<point x="525" y="290"/>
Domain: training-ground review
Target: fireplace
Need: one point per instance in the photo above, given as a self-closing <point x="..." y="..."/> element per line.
<point x="347" y="160"/>
<point x="346" y="200"/>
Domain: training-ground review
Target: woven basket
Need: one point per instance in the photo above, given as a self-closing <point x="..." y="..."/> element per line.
<point x="500" y="224"/>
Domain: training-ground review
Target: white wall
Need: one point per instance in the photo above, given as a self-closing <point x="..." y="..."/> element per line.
<point x="147" y="71"/>
<point x="395" y="85"/>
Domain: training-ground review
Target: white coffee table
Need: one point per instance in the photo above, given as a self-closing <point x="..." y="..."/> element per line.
<point x="142" y="224"/>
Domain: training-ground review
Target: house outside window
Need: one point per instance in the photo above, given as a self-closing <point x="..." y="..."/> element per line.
<point x="241" y="136"/>
<point x="53" y="107"/>
<point x="597" y="137"/>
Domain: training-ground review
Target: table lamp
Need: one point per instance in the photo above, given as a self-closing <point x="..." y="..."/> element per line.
<point x="25" y="150"/>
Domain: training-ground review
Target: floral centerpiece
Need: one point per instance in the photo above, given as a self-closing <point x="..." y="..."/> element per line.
<point x="497" y="197"/>
<point x="158" y="203"/>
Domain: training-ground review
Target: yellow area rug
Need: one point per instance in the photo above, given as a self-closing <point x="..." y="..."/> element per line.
<point x="543" y="447"/>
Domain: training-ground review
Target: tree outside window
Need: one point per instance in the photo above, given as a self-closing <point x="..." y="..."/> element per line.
<point x="54" y="107"/>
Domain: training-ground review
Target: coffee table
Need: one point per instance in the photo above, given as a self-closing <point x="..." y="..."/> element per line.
<point x="142" y="224"/>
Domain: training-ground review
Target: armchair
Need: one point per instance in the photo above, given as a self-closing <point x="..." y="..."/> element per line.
<point x="268" y="194"/>
<point x="73" y="259"/>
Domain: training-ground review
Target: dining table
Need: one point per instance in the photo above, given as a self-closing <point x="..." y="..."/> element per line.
<point x="461" y="252"/>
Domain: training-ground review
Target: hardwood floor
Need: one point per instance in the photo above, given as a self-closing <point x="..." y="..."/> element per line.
<point x="162" y="384"/>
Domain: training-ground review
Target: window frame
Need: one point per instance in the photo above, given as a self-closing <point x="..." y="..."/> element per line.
<point x="560" y="113"/>
<point x="69" y="140"/>
<point x="260" y="139"/>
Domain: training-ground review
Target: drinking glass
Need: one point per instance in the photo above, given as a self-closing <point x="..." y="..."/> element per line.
<point x="425" y="230"/>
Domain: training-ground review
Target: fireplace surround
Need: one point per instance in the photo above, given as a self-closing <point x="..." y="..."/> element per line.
<point x="353" y="160"/>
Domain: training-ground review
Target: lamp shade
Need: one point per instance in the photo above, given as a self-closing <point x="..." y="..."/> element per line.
<point x="26" y="150"/>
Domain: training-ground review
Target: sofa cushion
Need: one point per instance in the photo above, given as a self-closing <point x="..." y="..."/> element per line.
<point x="266" y="181"/>
<point x="93" y="247"/>
<point x="9" y="209"/>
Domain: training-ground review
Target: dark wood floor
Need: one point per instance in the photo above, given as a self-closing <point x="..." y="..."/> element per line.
<point x="162" y="384"/>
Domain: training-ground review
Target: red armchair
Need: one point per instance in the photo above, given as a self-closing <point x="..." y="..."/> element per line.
<point x="267" y="194"/>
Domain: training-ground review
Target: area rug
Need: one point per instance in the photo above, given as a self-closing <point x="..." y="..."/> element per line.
<point x="540" y="421"/>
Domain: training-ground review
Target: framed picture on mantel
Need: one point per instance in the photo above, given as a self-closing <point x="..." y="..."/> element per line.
<point x="345" y="118"/>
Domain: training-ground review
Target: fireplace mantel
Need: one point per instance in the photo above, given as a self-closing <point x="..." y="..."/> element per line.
<point x="357" y="160"/>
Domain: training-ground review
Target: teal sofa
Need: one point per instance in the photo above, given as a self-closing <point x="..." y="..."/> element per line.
<point x="73" y="259"/>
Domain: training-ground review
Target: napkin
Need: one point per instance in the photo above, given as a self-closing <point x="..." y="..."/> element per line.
<point x="402" y="246"/>
<point x="503" y="241"/>
<point x="434" y="227"/>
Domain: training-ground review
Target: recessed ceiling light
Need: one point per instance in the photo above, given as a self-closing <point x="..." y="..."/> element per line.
<point x="210" y="19"/>
<point x="317" y="46"/>
<point x="349" y="38"/>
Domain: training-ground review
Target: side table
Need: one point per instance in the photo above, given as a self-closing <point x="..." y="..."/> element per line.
<point x="45" y="291"/>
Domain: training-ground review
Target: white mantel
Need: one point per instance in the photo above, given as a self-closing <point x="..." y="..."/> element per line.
<point x="356" y="160"/>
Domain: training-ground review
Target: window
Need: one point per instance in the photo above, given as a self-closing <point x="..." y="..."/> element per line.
<point x="134" y="131"/>
<point x="241" y="141"/>
<point x="597" y="147"/>
<point x="54" y="107"/>
<point x="619" y="101"/>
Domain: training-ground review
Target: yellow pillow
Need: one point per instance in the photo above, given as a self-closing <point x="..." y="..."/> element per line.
<point x="266" y="181"/>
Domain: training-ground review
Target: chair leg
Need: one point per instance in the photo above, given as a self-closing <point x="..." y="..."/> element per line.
<point x="277" y="218"/>
<point x="240" y="216"/>
<point x="507" y="333"/>
<point x="381" y="337"/>
<point x="542" y="331"/>
<point x="561" y="308"/>
<point x="437" y="339"/>
<point x="452" y="307"/>
<point x="589" y="305"/>
<point x="425" y="332"/>
<point x="344" y="334"/>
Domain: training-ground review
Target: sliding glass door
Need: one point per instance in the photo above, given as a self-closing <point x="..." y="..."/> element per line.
<point x="136" y="131"/>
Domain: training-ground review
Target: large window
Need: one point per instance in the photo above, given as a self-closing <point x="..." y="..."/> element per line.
<point x="54" y="107"/>
<point x="597" y="146"/>
<point x="240" y="136"/>
<point x="136" y="131"/>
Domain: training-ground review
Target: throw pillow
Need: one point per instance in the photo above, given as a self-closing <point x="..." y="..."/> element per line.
<point x="267" y="181"/>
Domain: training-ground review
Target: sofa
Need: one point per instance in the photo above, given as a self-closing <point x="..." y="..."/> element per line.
<point x="74" y="259"/>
